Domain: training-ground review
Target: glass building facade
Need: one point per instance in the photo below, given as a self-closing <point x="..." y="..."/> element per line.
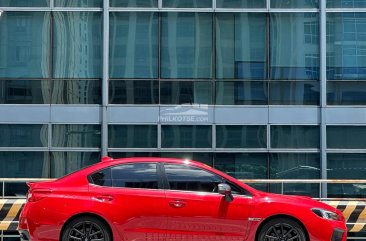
<point x="261" y="89"/>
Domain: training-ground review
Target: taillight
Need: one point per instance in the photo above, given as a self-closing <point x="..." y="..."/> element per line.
<point x="37" y="194"/>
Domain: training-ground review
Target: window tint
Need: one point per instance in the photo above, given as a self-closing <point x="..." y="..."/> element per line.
<point x="102" y="177"/>
<point x="139" y="175"/>
<point x="188" y="178"/>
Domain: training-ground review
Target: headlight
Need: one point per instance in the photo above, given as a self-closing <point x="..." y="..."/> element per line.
<point x="326" y="214"/>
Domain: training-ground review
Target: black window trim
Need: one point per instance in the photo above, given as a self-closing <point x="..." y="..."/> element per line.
<point x="158" y="173"/>
<point x="244" y="192"/>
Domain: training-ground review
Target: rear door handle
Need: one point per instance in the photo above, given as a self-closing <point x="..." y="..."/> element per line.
<point x="104" y="198"/>
<point x="177" y="204"/>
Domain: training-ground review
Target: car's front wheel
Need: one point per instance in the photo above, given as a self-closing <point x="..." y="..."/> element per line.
<point x="281" y="229"/>
<point x="86" y="229"/>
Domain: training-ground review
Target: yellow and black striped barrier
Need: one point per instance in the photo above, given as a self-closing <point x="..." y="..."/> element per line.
<point x="9" y="213"/>
<point x="354" y="212"/>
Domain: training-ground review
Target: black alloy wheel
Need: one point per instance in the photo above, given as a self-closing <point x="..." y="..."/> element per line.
<point x="86" y="229"/>
<point x="282" y="229"/>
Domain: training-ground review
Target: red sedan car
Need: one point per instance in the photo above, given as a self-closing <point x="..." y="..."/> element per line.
<point x="169" y="199"/>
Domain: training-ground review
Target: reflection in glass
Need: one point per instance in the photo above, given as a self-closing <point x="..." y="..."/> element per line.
<point x="64" y="135"/>
<point x="206" y="158"/>
<point x="187" y="3"/>
<point x="186" y="45"/>
<point x="243" y="165"/>
<point x="295" y="137"/>
<point x="76" y="92"/>
<point x="346" y="137"/>
<point x="133" y="48"/>
<point x="138" y="175"/>
<point x="294" y="47"/>
<point x="188" y="92"/>
<point x="241" y="3"/>
<point x="346" y="4"/>
<point x="21" y="164"/>
<point x="130" y="136"/>
<point x="78" y="3"/>
<point x="346" y="36"/>
<point x="24" y="45"/>
<point x="346" y="93"/>
<point x="77" y="45"/>
<point x="233" y="136"/>
<point x="295" y="166"/>
<point x="294" y="93"/>
<point x="24" y="3"/>
<point x="133" y="3"/>
<point x="24" y="92"/>
<point x="241" y="46"/>
<point x="186" y="136"/>
<point x="294" y="3"/>
<point x="242" y="93"/>
<point x="23" y="135"/>
<point x="63" y="163"/>
<point x="133" y="154"/>
<point x="344" y="166"/>
<point x="133" y="92"/>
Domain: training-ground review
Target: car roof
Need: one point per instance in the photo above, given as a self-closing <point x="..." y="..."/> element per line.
<point x="112" y="161"/>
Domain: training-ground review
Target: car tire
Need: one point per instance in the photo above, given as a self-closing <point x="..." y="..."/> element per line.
<point x="86" y="228"/>
<point x="282" y="229"/>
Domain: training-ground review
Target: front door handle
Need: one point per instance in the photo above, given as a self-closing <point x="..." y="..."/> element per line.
<point x="177" y="204"/>
<point x="104" y="198"/>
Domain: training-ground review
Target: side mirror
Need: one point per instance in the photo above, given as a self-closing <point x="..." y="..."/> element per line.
<point x="225" y="189"/>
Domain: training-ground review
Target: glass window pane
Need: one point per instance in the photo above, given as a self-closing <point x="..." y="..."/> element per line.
<point x="78" y="3"/>
<point x="188" y="92"/>
<point x="24" y="45"/>
<point x="187" y="3"/>
<point x="24" y="92"/>
<point x="77" y="45"/>
<point x="24" y="3"/>
<point x="294" y="93"/>
<point x="294" y="3"/>
<point x="139" y="175"/>
<point x="295" y="137"/>
<point x="346" y="4"/>
<point x="295" y="166"/>
<point x="63" y="163"/>
<point x="188" y="178"/>
<point x="129" y="136"/>
<point x="65" y="135"/>
<point x="23" y="135"/>
<point x="21" y="164"/>
<point x="134" y="3"/>
<point x="76" y="92"/>
<point x="346" y="137"/>
<point x="242" y="93"/>
<point x="346" y="52"/>
<point x="206" y="158"/>
<point x="241" y="136"/>
<point x="133" y="92"/>
<point x="294" y="46"/>
<point x="133" y="154"/>
<point x="243" y="165"/>
<point x="133" y="47"/>
<point x="241" y="46"/>
<point x="102" y="178"/>
<point x="241" y="3"/>
<point x="346" y="93"/>
<point x="186" y="136"/>
<point x="346" y="166"/>
<point x="186" y="45"/>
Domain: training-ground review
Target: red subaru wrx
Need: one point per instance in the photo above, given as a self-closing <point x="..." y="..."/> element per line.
<point x="169" y="199"/>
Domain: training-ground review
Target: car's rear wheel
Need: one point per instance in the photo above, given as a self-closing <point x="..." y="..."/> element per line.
<point x="86" y="229"/>
<point x="282" y="229"/>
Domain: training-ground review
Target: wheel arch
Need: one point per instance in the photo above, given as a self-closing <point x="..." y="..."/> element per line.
<point x="86" y="215"/>
<point x="281" y="216"/>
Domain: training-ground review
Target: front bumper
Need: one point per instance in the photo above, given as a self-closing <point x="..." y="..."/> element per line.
<point x="339" y="235"/>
